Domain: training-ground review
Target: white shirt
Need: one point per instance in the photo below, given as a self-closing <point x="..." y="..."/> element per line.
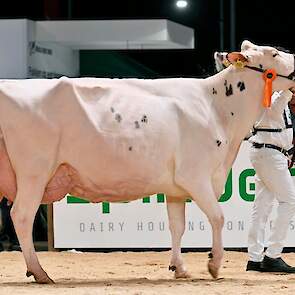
<point x="278" y="116"/>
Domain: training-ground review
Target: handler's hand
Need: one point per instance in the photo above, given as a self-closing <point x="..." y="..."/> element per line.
<point x="291" y="162"/>
<point x="292" y="101"/>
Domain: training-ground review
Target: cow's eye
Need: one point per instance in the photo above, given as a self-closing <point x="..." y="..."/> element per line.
<point x="275" y="54"/>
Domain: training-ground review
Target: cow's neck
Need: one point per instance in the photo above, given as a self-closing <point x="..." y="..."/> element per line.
<point x="237" y="99"/>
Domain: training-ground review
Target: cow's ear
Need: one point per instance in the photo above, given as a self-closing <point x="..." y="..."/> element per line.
<point x="247" y="45"/>
<point x="233" y="57"/>
<point x="237" y="59"/>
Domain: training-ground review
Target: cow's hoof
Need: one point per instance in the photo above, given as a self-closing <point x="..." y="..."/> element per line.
<point x="179" y="274"/>
<point x="213" y="270"/>
<point x="182" y="275"/>
<point x="40" y="279"/>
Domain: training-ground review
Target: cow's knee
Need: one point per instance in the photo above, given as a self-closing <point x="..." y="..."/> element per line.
<point x="217" y="220"/>
<point x="176" y="227"/>
<point x="22" y="220"/>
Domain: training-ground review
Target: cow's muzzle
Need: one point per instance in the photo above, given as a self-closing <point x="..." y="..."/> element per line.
<point x="292" y="75"/>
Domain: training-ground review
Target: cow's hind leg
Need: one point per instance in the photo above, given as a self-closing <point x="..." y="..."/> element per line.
<point x="203" y="194"/>
<point x="176" y="215"/>
<point x="28" y="198"/>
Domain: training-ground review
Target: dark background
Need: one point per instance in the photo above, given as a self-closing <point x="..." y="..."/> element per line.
<point x="261" y="21"/>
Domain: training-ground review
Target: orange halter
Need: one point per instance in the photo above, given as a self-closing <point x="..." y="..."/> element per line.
<point x="268" y="77"/>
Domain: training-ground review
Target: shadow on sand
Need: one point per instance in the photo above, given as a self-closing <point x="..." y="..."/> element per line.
<point x="74" y="283"/>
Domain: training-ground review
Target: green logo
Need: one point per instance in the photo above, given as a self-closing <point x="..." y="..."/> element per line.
<point x="106" y="205"/>
<point x="246" y="191"/>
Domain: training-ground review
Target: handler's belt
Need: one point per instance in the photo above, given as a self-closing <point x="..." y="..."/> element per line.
<point x="255" y="130"/>
<point x="272" y="146"/>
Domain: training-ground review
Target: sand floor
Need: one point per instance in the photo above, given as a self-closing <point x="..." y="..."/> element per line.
<point x="138" y="274"/>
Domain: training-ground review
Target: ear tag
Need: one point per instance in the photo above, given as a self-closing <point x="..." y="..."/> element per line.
<point x="226" y="63"/>
<point x="239" y="64"/>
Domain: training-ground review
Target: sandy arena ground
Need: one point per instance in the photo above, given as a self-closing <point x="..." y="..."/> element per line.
<point x="138" y="274"/>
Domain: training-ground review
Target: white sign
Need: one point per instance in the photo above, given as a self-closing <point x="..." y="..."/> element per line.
<point x="144" y="223"/>
<point x="49" y="60"/>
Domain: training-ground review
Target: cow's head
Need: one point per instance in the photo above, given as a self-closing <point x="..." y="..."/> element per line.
<point x="270" y="61"/>
<point x="263" y="58"/>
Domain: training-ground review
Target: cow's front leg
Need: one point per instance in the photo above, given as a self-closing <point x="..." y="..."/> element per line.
<point x="207" y="202"/>
<point x="203" y="194"/>
<point x="176" y="214"/>
<point x="27" y="201"/>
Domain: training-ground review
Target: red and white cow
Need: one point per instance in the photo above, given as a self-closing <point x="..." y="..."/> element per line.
<point x="121" y="139"/>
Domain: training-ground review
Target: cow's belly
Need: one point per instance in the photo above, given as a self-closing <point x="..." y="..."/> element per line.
<point x="129" y="187"/>
<point x="103" y="185"/>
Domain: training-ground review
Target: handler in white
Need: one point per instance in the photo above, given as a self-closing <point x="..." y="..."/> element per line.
<point x="272" y="140"/>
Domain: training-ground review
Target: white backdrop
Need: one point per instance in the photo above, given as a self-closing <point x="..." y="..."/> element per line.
<point x="143" y="224"/>
<point x="21" y="56"/>
<point x="13" y="48"/>
<point x="50" y="60"/>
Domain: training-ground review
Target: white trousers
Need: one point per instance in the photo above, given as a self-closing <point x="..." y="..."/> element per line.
<point x="273" y="182"/>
